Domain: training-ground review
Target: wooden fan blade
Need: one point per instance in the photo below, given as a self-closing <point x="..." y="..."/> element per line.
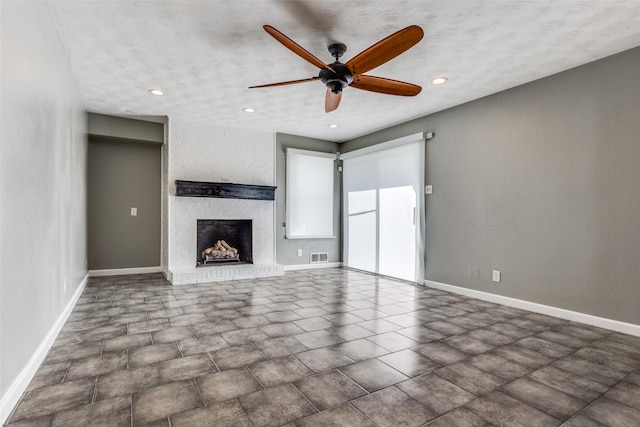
<point x="291" y="82"/>
<point x="295" y="47"/>
<point x="385" y="50"/>
<point x="331" y="101"/>
<point x="383" y="85"/>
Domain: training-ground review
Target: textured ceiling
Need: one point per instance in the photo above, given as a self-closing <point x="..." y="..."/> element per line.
<point x="204" y="55"/>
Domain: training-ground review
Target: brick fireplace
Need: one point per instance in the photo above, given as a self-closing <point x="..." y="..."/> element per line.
<point x="208" y="153"/>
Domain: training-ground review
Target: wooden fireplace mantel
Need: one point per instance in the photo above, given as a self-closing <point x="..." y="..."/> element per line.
<point x="225" y="190"/>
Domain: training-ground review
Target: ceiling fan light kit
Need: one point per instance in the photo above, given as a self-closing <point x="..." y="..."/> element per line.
<point x="337" y="75"/>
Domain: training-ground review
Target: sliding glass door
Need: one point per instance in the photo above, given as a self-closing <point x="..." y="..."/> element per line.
<point x="397" y="232"/>
<point x="382" y="201"/>
<point x="362" y="229"/>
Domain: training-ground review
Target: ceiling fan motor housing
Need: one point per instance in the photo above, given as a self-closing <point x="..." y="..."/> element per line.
<point x="338" y="80"/>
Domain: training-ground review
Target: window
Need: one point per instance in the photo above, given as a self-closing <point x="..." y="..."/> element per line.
<point x="309" y="201"/>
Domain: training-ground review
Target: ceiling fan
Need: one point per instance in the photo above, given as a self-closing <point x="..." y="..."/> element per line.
<point x="336" y="76"/>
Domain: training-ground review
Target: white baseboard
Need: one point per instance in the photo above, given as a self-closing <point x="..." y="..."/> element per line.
<point x="124" y="271"/>
<point x="312" y="266"/>
<point x="20" y="384"/>
<point x="601" y="322"/>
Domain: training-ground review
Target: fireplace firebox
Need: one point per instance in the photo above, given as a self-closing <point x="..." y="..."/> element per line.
<point x="224" y="241"/>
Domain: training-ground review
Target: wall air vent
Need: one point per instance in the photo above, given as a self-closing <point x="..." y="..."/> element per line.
<point x="316" y="257"/>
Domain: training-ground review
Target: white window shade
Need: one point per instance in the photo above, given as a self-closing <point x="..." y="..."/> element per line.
<point x="383" y="208"/>
<point x="309" y="201"/>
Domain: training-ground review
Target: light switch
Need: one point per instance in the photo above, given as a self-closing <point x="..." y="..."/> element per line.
<point x="134" y="211"/>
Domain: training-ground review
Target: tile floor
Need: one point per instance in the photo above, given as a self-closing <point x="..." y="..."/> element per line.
<point x="324" y="348"/>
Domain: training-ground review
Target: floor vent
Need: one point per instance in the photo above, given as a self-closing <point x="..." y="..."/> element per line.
<point x="317" y="257"/>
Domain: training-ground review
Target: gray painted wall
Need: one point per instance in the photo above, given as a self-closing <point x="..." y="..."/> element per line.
<point x="125" y="169"/>
<point x="540" y="182"/>
<point x="120" y="128"/>
<point x="286" y="249"/>
<point x="122" y="175"/>
<point x="42" y="185"/>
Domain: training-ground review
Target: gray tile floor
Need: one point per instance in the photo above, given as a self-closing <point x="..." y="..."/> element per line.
<point x="320" y="348"/>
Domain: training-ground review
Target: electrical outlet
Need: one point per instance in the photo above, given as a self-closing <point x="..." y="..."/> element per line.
<point x="428" y="189"/>
<point x="299" y="252"/>
<point x="134" y="211"/>
<point x="496" y="276"/>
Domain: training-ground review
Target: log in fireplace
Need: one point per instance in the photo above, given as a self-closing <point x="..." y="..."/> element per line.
<point x="224" y="241"/>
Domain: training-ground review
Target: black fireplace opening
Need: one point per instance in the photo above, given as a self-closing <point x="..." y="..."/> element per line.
<point x="224" y="241"/>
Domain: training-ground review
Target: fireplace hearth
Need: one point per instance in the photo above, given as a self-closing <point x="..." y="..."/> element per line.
<point x="223" y="242"/>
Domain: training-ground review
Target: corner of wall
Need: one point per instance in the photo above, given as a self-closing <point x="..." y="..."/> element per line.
<point x="287" y="249"/>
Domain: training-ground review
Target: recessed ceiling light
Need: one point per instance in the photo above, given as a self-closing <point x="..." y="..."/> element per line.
<point x="249" y="110"/>
<point x="156" y="92"/>
<point x="333" y="126"/>
<point x="439" y="80"/>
